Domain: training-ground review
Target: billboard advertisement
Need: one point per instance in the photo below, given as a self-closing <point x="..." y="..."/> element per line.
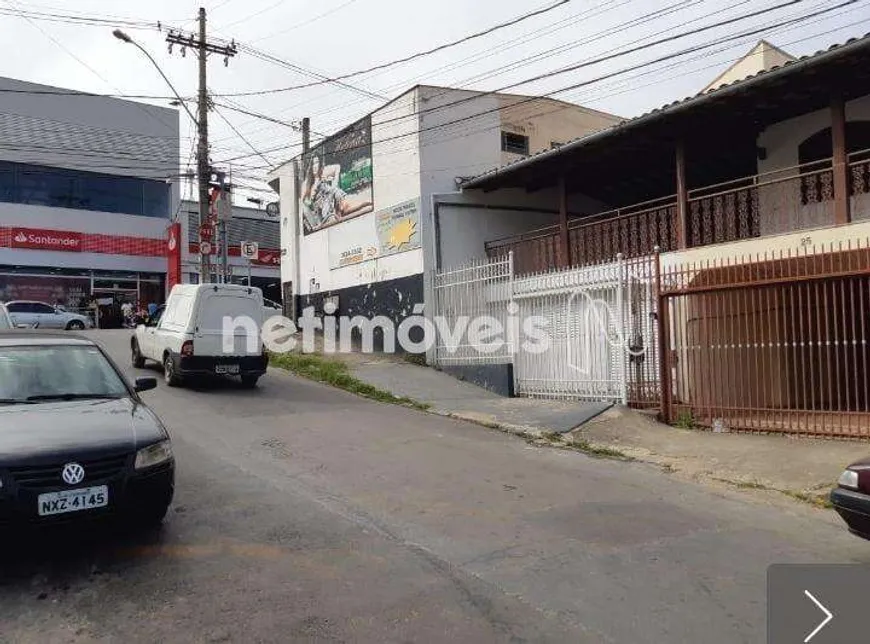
<point x="336" y="178"/>
<point x="399" y="228"/>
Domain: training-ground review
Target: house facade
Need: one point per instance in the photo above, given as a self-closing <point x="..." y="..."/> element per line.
<point x="750" y="204"/>
<point x="356" y="207"/>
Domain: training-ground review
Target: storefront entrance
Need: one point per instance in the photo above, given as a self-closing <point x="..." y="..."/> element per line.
<point x="76" y="290"/>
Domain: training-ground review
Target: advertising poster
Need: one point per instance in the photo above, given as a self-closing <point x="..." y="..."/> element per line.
<point x="399" y="228"/>
<point x="352" y="243"/>
<point x="70" y="292"/>
<point x="336" y="179"/>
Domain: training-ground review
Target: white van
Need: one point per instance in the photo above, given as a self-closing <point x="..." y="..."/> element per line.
<point x="187" y="335"/>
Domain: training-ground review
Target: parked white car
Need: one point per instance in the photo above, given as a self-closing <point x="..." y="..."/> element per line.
<point x="45" y="316"/>
<point x="187" y="336"/>
<point x="5" y="320"/>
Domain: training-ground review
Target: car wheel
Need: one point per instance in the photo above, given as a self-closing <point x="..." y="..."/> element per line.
<point x="249" y="382"/>
<point x="75" y="325"/>
<point x="138" y="359"/>
<point x="169" y="374"/>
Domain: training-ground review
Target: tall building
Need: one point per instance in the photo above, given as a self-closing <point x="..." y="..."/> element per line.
<point x="88" y="190"/>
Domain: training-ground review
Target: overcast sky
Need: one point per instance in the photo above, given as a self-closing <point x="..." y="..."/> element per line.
<point x="333" y="37"/>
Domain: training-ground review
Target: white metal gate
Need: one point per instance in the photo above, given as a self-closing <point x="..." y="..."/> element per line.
<point x="597" y="323"/>
<point x="479" y="289"/>
<point x="576" y="308"/>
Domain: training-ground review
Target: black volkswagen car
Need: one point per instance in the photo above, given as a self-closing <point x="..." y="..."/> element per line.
<point x="76" y="440"/>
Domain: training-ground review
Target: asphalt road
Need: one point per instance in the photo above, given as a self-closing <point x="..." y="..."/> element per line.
<point x="307" y="514"/>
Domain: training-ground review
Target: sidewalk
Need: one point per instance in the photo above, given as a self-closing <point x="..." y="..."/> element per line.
<point x="804" y="469"/>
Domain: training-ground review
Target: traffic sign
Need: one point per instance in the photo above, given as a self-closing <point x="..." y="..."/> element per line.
<point x="273" y="209"/>
<point x="250" y="250"/>
<point x="205" y="248"/>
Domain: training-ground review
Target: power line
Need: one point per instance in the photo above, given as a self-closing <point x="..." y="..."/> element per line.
<point x="78" y="19"/>
<point x="592" y="62"/>
<point x="308" y="22"/>
<point x="585" y="41"/>
<point x="464" y="134"/>
<point x="291" y="124"/>
<point x="250" y="16"/>
<point x="103" y="151"/>
<point x="240" y="135"/>
<point x="565" y="22"/>
<point x="592" y="38"/>
<point x="321" y="79"/>
<point x="399" y="61"/>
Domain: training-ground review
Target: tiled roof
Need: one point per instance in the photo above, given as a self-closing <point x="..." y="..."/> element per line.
<point x="668" y="107"/>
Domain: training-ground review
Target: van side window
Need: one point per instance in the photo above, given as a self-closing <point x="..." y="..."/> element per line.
<point x="168" y="320"/>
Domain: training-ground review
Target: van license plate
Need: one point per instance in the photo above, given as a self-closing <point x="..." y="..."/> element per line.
<point x="226" y="368"/>
<point x="85" y="498"/>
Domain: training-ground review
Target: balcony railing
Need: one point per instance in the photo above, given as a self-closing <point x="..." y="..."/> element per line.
<point x="785" y="200"/>
<point x="632" y="231"/>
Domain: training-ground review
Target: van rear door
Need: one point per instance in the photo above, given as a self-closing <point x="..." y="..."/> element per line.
<point x="237" y="311"/>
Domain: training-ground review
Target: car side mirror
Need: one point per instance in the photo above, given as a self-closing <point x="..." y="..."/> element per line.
<point x="145" y="384"/>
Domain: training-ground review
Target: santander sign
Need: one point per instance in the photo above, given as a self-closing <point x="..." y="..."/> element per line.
<point x="42" y="239"/>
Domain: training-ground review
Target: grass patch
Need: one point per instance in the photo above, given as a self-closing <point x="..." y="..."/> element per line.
<point x="336" y="373"/>
<point x="416" y="358"/>
<point x="818" y="500"/>
<point x="685" y="421"/>
<point x="812" y="499"/>
<point x="599" y="451"/>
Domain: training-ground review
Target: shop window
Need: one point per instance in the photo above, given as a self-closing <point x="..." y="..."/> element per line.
<point x="515" y="143"/>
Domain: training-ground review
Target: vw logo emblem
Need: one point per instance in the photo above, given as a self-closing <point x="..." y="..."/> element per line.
<point x="72" y="473"/>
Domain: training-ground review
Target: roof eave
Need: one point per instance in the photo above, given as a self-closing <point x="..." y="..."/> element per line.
<point x="674" y="108"/>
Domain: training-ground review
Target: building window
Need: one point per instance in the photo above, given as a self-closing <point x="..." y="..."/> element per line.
<point x="515" y="143"/>
<point x="61" y="188"/>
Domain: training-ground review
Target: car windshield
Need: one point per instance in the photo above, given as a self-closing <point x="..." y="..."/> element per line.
<point x="30" y="374"/>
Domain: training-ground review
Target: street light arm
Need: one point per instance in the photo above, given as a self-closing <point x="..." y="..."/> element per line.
<point x="120" y="35"/>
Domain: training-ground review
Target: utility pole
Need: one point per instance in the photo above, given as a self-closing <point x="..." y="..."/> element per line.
<point x="203" y="167"/>
<point x="306" y="135"/>
<point x="225" y="236"/>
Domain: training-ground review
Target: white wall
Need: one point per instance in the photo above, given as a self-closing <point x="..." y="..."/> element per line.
<point x="95" y="261"/>
<point x="396" y="178"/>
<point x="762" y="57"/>
<point x="465" y="230"/>
<point x="546" y="121"/>
<point x="781" y="142"/>
<point x="82" y="221"/>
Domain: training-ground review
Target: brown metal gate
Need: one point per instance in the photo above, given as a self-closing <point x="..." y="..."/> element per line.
<point x="772" y="343"/>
